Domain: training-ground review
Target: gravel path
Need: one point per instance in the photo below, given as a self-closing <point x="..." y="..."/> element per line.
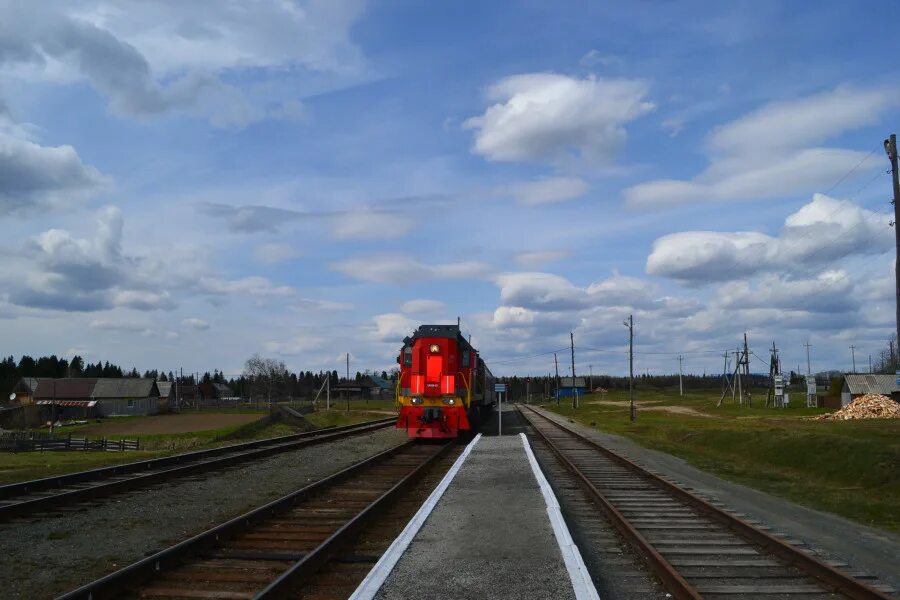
<point x="49" y="557"/>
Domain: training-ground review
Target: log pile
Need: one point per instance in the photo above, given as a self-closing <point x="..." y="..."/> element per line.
<point x="870" y="406"/>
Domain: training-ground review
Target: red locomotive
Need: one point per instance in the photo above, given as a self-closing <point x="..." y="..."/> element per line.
<point x="444" y="386"/>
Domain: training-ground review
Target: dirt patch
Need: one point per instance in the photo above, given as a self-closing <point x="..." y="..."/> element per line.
<point x="649" y="405"/>
<point x="682" y="410"/>
<point x="169" y="424"/>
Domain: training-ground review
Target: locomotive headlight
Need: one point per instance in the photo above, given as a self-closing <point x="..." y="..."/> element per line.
<point x="435" y="348"/>
<point x="449" y="401"/>
<point x="416" y="401"/>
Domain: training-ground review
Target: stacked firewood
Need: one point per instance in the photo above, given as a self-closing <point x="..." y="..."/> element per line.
<point x="870" y="406"/>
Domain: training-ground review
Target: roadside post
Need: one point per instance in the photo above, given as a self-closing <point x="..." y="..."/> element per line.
<point x="500" y="390"/>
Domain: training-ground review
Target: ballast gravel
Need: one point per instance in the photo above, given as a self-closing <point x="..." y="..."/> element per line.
<point x="46" y="558"/>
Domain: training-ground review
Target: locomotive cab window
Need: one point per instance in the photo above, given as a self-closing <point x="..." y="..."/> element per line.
<point x="465" y="359"/>
<point x="407" y="356"/>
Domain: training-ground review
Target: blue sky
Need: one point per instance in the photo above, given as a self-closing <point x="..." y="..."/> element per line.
<point x="186" y="184"/>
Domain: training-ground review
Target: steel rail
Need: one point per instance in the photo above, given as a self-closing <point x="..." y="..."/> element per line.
<point x="673" y="581"/>
<point x="143" y="571"/>
<point x="830" y="577"/>
<point x="181" y="465"/>
<point x="317" y="557"/>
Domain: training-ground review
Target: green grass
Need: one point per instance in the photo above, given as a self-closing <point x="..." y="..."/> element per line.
<point x="851" y="468"/>
<point x="33" y="465"/>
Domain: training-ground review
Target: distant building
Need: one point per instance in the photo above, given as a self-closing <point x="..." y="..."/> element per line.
<point x="66" y="399"/>
<point x="860" y="384"/>
<point x="24" y="390"/>
<point x="382" y="388"/>
<point x="100" y="396"/>
<point x="569" y="387"/>
<point x="166" y="395"/>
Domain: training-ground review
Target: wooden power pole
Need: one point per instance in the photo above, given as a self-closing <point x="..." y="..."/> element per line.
<point x="574" y="388"/>
<point x="890" y="146"/>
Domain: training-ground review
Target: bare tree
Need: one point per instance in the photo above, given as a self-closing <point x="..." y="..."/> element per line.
<point x="268" y="374"/>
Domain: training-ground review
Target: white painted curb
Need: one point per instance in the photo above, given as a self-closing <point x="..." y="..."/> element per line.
<point x="379" y="573"/>
<point x="578" y="573"/>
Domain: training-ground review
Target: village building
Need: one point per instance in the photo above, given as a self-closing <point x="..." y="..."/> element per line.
<point x="860" y="384"/>
<point x="570" y="387"/>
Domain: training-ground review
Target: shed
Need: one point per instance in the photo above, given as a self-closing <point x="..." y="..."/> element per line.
<point x="353" y="389"/>
<point x="569" y="387"/>
<point x="384" y="388"/>
<point x="860" y="384"/>
<point x="25" y="389"/>
<point x="128" y="396"/>
<point x="166" y="395"/>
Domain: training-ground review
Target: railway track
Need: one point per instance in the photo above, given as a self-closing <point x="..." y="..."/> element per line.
<point x="277" y="549"/>
<point x="40" y="497"/>
<point x="696" y="549"/>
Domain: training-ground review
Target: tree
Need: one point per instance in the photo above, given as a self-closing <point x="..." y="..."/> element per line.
<point x="267" y="374"/>
<point x="76" y="366"/>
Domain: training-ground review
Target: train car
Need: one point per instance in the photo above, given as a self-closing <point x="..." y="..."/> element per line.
<point x="444" y="386"/>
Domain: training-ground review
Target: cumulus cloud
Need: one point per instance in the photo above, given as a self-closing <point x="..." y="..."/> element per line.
<point x="548" y="117"/>
<point x="398" y="268"/>
<point x="392" y="327"/>
<point x="549" y="190"/>
<point x="60" y="271"/>
<point x="830" y="292"/>
<point x="822" y="231"/>
<point x="35" y="177"/>
<point x="768" y="153"/>
<point x="315" y="305"/>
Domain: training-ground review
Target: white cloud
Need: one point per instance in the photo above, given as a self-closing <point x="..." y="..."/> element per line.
<point x="246" y="286"/>
<point x="549" y="190"/>
<point x="548" y="117"/>
<point x="153" y="58"/>
<point x="765" y="154"/>
<point x="423" y="306"/>
<point x="392" y="327"/>
<point x="121" y="326"/>
<point x="397" y="268"/>
<point x="35" y="177"/>
<point x="830" y="292"/>
<point x="314" y="305"/>
<point x="822" y="231"/>
<point x="538" y="258"/>
<point x="271" y="254"/>
<point x="195" y="323"/>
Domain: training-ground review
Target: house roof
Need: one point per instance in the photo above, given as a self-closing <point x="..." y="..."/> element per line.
<point x="166" y="388"/>
<point x="80" y="388"/>
<point x="567" y="382"/>
<point x="222" y="390"/>
<point x="385" y="384"/>
<point x="127" y="387"/>
<point x="871" y="383"/>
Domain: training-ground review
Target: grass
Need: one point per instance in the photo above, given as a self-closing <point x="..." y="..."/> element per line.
<point x="33" y="465"/>
<point x="851" y="468"/>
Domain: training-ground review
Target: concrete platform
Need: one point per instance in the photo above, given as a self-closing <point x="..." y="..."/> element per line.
<point x="489" y="537"/>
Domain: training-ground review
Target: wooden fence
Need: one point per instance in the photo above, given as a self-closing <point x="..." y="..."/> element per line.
<point x="29" y="441"/>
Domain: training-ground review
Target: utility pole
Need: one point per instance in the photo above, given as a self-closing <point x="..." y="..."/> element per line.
<point x="680" y="375"/>
<point x="591" y="380"/>
<point x="556" y="364"/>
<point x="808" y="369"/>
<point x="890" y="146"/>
<point x="853" y="354"/>
<point x="574" y="388"/>
<point x="747" y="372"/>
<point x="630" y="325"/>
<point x="348" y="366"/>
<point x="870" y="363"/>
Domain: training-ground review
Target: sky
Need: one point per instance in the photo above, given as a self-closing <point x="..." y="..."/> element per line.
<point x="185" y="184"/>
